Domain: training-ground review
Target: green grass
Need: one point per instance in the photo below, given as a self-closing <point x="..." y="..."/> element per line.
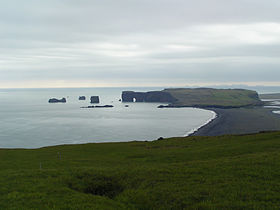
<point x="226" y="172"/>
<point x="214" y="97"/>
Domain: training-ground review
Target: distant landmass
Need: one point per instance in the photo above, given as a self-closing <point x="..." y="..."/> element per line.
<point x="151" y="96"/>
<point x="270" y="96"/>
<point x="197" y="97"/>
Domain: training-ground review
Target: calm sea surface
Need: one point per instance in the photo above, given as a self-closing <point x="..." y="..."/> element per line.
<point x="29" y="121"/>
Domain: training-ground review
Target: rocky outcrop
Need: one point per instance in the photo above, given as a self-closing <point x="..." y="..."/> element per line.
<point x="105" y="106"/>
<point x="196" y="97"/>
<point x="82" y="98"/>
<point x="152" y="96"/>
<point x="203" y="106"/>
<point x="215" y="98"/>
<point x="55" y="100"/>
<point x="94" y="99"/>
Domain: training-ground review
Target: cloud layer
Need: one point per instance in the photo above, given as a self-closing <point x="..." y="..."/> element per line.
<point x="137" y="43"/>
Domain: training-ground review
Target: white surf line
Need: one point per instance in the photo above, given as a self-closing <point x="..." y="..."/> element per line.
<point x="276" y="112"/>
<point x="274" y="104"/>
<point x="214" y="116"/>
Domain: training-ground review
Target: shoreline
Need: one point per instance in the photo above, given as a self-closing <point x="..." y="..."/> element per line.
<point x="194" y="130"/>
<point x="237" y="121"/>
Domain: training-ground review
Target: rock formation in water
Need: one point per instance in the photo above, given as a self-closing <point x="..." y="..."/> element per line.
<point x="94" y="99"/>
<point x="196" y="97"/>
<point x="82" y="98"/>
<point x="55" y="100"/>
<point x="105" y="106"/>
<point x="152" y="96"/>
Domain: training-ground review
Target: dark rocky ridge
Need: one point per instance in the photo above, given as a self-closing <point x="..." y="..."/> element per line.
<point x="197" y="97"/>
<point x="55" y="100"/>
<point x="94" y="99"/>
<point x="151" y="96"/>
<point x="90" y="107"/>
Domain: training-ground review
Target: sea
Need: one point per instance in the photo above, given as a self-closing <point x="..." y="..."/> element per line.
<point x="29" y="121"/>
<point x="273" y="104"/>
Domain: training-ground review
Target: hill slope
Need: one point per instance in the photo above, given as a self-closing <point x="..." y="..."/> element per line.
<point x="224" y="172"/>
<point x="209" y="97"/>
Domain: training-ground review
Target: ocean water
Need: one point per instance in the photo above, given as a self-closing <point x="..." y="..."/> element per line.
<point x="29" y="121"/>
<point x="273" y="104"/>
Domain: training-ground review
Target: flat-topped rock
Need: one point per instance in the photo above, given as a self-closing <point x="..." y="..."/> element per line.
<point x="94" y="99"/>
<point x="82" y="98"/>
<point x="196" y="97"/>
<point x="151" y="96"/>
<point x="55" y="100"/>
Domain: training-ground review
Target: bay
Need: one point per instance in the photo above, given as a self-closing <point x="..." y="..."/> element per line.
<point x="29" y="121"/>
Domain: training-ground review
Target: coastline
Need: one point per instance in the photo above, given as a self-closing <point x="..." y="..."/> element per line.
<point x="191" y="132"/>
<point x="240" y="121"/>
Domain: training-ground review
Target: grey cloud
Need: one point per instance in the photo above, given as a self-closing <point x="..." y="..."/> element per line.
<point x="160" y="40"/>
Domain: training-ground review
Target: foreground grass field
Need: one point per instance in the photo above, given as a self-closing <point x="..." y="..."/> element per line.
<point x="226" y="172"/>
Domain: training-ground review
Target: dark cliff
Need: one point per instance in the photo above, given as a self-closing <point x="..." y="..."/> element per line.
<point x="82" y="98"/>
<point x="55" y="100"/>
<point x="152" y="96"/>
<point x="94" y="99"/>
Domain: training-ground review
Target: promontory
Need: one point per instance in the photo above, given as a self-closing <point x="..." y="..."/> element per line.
<point x="197" y="97"/>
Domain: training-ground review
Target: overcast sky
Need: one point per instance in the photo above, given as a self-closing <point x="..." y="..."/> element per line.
<point x="89" y="43"/>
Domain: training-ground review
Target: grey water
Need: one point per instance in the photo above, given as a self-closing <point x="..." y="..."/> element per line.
<point x="273" y="104"/>
<point x="27" y="120"/>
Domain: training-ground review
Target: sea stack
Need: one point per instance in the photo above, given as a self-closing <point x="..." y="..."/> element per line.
<point x="94" y="99"/>
<point x="55" y="100"/>
<point x="82" y="98"/>
<point x="151" y="96"/>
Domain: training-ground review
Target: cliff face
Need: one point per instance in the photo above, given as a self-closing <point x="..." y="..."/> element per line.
<point x="210" y="97"/>
<point x="94" y="99"/>
<point x="82" y="98"/>
<point x="197" y="97"/>
<point x="55" y="100"/>
<point x="152" y="96"/>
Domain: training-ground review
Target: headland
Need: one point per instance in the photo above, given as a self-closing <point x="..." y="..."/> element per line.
<point x="239" y="111"/>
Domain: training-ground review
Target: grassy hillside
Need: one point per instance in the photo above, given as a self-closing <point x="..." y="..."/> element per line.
<point x="214" y="97"/>
<point x="227" y="172"/>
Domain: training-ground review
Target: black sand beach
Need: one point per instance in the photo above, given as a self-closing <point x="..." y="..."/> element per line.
<point x="240" y="121"/>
